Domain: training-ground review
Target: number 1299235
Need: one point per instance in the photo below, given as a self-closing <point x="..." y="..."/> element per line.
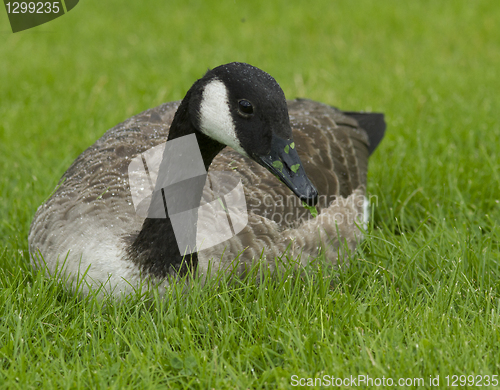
<point x="33" y="7"/>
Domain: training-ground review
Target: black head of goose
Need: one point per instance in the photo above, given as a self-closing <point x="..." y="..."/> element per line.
<point x="156" y="162"/>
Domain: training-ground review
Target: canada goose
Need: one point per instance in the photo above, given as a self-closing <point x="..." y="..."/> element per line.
<point x="91" y="225"/>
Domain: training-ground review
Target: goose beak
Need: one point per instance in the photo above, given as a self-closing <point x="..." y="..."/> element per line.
<point x="283" y="161"/>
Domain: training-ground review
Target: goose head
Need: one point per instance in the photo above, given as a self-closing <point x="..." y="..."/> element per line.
<point x="241" y="106"/>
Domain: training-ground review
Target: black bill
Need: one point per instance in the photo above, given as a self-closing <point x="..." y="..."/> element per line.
<point x="284" y="162"/>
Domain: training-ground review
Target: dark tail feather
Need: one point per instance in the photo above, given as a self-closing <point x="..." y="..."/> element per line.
<point x="373" y="124"/>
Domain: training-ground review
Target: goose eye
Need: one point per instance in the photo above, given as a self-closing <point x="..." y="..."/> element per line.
<point x="245" y="107"/>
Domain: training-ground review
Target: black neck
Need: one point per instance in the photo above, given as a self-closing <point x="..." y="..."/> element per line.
<point x="183" y="125"/>
<point x="155" y="248"/>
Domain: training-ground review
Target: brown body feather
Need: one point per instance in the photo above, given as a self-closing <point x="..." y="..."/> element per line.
<point x="91" y="214"/>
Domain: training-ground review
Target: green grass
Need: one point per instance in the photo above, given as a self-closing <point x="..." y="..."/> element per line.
<point x="421" y="297"/>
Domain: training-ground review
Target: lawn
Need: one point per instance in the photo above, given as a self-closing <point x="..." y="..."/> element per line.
<point x="421" y="298"/>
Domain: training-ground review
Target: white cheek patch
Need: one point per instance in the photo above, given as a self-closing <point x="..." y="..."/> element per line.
<point x="215" y="119"/>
